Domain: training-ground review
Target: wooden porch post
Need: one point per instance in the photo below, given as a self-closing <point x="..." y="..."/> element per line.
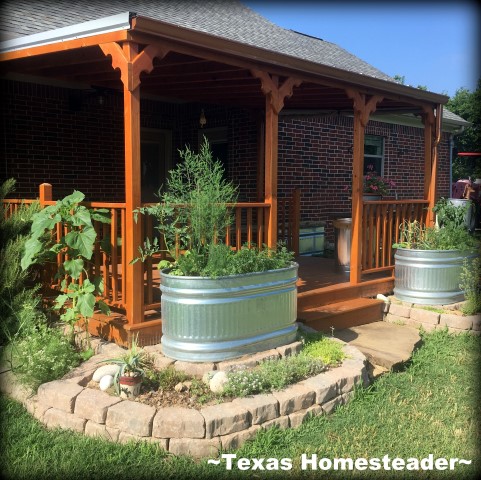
<point x="131" y="63"/>
<point x="362" y="109"/>
<point x="275" y="96"/>
<point x="432" y="136"/>
<point x="45" y="193"/>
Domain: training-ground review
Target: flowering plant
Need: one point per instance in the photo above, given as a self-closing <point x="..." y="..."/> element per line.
<point x="375" y="184"/>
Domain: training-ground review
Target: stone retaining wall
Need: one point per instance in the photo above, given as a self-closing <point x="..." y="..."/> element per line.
<point x="68" y="403"/>
<point x="397" y="311"/>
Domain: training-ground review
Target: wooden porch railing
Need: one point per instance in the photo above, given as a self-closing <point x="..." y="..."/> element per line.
<point x="109" y="262"/>
<point x="381" y="223"/>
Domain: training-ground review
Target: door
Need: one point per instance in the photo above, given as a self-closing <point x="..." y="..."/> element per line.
<point x="156" y="161"/>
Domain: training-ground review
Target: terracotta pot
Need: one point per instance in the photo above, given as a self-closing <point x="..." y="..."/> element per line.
<point x="130" y="386"/>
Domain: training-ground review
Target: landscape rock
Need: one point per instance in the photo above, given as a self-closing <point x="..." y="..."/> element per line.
<point x="218" y="382"/>
<point x="105" y="370"/>
<point x="106" y="382"/>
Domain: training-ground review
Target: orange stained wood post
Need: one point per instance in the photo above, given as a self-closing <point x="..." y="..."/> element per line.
<point x="363" y="107"/>
<point x="432" y="136"/>
<point x="275" y="96"/>
<point x="45" y="193"/>
<point x="131" y="64"/>
<point x="135" y="272"/>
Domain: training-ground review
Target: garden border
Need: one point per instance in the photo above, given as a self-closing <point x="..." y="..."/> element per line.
<point x="68" y="403"/>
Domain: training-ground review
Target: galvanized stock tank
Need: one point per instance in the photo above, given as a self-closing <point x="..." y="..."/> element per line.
<point x="213" y="319"/>
<point x="429" y="277"/>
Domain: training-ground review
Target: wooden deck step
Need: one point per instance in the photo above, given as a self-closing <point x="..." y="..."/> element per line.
<point x="346" y="314"/>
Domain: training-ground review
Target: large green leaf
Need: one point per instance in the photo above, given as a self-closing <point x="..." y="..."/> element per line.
<point x="83" y="241"/>
<point x="75" y="197"/>
<point x="86" y="304"/>
<point x="60" y="301"/>
<point x="81" y="217"/>
<point x="32" y="248"/>
<point x="74" y="267"/>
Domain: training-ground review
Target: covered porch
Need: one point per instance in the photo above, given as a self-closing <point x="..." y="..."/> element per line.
<point x="146" y="57"/>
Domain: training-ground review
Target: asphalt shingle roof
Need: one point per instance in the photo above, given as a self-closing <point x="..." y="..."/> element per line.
<point x="228" y="19"/>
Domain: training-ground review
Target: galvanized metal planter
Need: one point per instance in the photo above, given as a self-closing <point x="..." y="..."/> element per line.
<point x="429" y="277"/>
<point x="207" y="320"/>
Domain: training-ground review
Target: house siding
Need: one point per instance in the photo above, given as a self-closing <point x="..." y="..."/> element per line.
<point x="45" y="139"/>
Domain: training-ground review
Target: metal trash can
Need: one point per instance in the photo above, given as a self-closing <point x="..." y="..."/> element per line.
<point x="342" y="243"/>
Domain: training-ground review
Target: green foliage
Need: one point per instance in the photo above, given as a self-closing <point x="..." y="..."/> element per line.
<point x="132" y="364"/>
<point x="470" y="282"/>
<point x="272" y="375"/>
<point x="19" y="305"/>
<point x="164" y="379"/>
<point x="192" y="219"/>
<point x="467" y="105"/>
<point x="317" y="345"/>
<point x="43" y="355"/>
<point x="452" y="233"/>
<point x="79" y="299"/>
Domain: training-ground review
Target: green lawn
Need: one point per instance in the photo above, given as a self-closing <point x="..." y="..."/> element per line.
<point x="433" y="407"/>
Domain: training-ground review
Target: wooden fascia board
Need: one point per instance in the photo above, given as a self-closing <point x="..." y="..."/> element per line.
<point x="247" y="56"/>
<point x="94" y="40"/>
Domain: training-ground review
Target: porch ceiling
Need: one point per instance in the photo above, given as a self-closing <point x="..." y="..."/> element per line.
<point x="187" y="78"/>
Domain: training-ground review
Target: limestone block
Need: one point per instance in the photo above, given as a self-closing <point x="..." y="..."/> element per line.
<point x="196" y="448"/>
<point x="262" y="407"/>
<point x="476" y="322"/>
<point x="93" y="404"/>
<point x="331" y="405"/>
<point x="225" y="418"/>
<point x="131" y="417"/>
<point x="297" y="418"/>
<point x="281" y="422"/>
<point x="59" y="394"/>
<point x="424" y="316"/>
<point x="194" y="369"/>
<point x="178" y="422"/>
<point x="55" y="417"/>
<point x="235" y="440"/>
<point x="94" y="429"/>
<point x="295" y="397"/>
<point x="128" y="437"/>
<point x="290" y="349"/>
<point x="325" y="387"/>
<point x="456" y="321"/>
<point x="399" y="310"/>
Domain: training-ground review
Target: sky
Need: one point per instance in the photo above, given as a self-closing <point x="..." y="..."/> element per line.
<point x="433" y="44"/>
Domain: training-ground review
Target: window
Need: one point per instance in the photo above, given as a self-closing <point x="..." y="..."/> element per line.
<point x="373" y="154"/>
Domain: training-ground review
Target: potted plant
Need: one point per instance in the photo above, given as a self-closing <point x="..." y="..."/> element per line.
<point x="429" y="260"/>
<point x="129" y="376"/>
<point x="375" y="186"/>
<point x="217" y="304"/>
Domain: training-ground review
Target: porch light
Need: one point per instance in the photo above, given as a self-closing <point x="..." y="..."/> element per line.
<point x="202" y="119"/>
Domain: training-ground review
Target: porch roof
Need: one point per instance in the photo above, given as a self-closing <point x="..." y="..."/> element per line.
<point x="228" y="28"/>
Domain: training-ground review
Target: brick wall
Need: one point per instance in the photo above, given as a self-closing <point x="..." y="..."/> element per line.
<point x="64" y="137"/>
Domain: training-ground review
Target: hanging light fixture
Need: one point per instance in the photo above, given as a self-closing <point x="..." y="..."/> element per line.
<point x="202" y="119"/>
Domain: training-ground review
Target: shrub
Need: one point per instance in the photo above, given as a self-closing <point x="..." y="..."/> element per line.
<point x="43" y="355"/>
<point x="471" y="284"/>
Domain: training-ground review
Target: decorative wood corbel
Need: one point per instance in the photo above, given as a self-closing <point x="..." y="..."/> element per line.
<point x="130" y="69"/>
<point x="270" y="88"/>
<point x="363" y="108"/>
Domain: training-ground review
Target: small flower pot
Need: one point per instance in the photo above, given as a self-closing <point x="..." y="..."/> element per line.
<point x="130" y="386"/>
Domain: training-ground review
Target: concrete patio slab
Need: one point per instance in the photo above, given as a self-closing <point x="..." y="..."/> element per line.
<point x="384" y="344"/>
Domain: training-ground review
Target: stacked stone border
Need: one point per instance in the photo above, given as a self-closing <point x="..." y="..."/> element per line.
<point x="70" y="404"/>
<point x="431" y="317"/>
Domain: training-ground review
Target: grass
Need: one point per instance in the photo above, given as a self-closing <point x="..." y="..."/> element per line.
<point x="431" y="407"/>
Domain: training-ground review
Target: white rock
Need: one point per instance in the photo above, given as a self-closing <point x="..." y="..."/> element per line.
<point x="105" y="370"/>
<point x="106" y="382"/>
<point x="218" y="381"/>
<point x="207" y="377"/>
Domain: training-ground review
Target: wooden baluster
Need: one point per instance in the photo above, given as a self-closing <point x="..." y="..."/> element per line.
<point x="113" y="248"/>
<point x="365" y="237"/>
<point x="260" y="227"/>
<point x="378" y="236"/>
<point x="238" y="228"/>
<point x="148" y="263"/>
<point x="384" y="235"/>
<point x="249" y="227"/>
<point x="105" y="263"/>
